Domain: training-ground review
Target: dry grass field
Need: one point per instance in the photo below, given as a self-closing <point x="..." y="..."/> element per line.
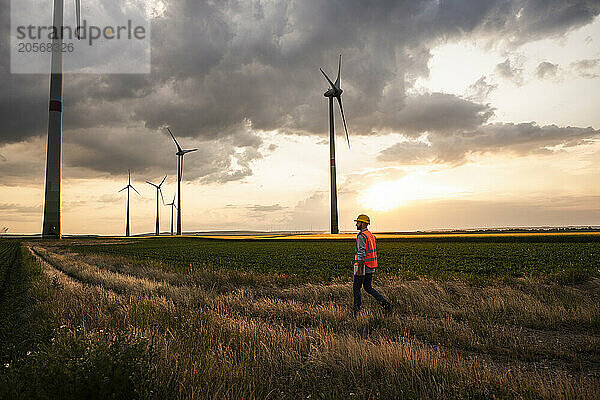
<point x="84" y="324"/>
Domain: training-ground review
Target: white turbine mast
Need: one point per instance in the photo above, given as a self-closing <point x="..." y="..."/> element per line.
<point x="158" y="192"/>
<point x="51" y="226"/>
<point x="334" y="91"/>
<point x="129" y="186"/>
<point x="180" y="153"/>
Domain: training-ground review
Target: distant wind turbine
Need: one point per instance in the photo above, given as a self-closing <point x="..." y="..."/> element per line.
<point x="158" y="191"/>
<point x="172" y="205"/>
<point x="334" y="91"/>
<point x="128" y="187"/>
<point x="51" y="226"/>
<point x="180" y="153"/>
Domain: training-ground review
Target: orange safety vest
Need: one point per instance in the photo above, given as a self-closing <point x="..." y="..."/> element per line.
<point x="370" y="260"/>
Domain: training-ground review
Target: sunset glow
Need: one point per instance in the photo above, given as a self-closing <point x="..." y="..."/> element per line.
<point x="389" y="195"/>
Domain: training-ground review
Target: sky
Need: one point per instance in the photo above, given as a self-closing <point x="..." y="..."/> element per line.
<point x="461" y="115"/>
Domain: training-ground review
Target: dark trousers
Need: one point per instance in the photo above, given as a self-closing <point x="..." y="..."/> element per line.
<point x="365" y="281"/>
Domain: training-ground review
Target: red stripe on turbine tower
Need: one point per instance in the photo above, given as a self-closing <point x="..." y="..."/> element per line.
<point x="332" y="162"/>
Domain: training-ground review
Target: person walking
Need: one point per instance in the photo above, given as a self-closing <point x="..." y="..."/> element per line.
<point x="365" y="264"/>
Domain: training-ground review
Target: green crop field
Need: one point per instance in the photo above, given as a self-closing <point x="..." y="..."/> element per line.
<point x="190" y="318"/>
<point x="551" y="257"/>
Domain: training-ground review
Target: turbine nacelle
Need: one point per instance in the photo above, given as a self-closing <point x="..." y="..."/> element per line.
<point x="183" y="152"/>
<point x="336" y="91"/>
<point x="172" y="204"/>
<point x="129" y="183"/>
<point x="180" y="151"/>
<point x="333" y="92"/>
<point x="158" y="187"/>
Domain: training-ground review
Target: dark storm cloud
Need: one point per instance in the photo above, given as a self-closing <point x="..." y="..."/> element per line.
<point x="219" y="66"/>
<point x="546" y="69"/>
<point x="441" y="113"/>
<point x="537" y="19"/>
<point x="153" y="153"/>
<point x="22" y="101"/>
<point x="520" y="139"/>
<point x="24" y="111"/>
<point x="451" y="141"/>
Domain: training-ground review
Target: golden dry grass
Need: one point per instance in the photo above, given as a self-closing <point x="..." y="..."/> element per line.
<point x="227" y="334"/>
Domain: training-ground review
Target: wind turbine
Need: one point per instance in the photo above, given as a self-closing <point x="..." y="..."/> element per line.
<point x="180" y="153"/>
<point x="172" y="204"/>
<point x="334" y="91"/>
<point x="158" y="191"/>
<point x="51" y="226"/>
<point x="128" y="187"/>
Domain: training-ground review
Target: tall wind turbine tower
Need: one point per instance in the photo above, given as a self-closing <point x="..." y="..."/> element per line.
<point x="334" y="91"/>
<point x="158" y="191"/>
<point x="172" y="205"/>
<point x="52" y="225"/>
<point x="127" y="232"/>
<point x="180" y="153"/>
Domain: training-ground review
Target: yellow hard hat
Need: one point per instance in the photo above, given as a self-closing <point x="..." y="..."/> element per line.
<point x="363" y="218"/>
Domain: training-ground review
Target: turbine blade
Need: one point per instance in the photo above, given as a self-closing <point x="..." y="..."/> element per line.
<point x="134" y="189"/>
<point x="122" y="189"/>
<point x="78" y="15"/>
<point x="150" y="183"/>
<point x="337" y="81"/>
<point x="328" y="80"/>
<point x="161" y="195"/>
<point x="175" y="140"/>
<point x="163" y="180"/>
<point x="339" y="99"/>
<point x="189" y="151"/>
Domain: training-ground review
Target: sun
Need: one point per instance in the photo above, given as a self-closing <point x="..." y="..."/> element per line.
<point x="388" y="195"/>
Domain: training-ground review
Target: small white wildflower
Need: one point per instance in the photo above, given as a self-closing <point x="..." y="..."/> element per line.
<point x="62" y="326"/>
<point x="28" y="353"/>
<point x="6" y="365"/>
